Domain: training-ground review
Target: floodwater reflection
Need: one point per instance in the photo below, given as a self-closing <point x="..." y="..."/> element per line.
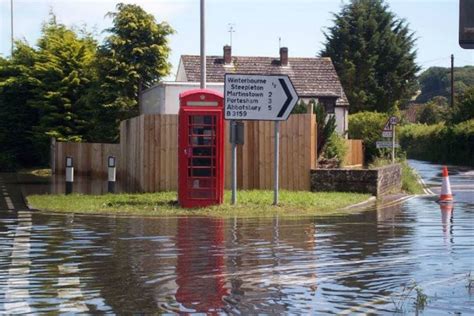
<point x="237" y="265"/>
<point x="307" y="265"/>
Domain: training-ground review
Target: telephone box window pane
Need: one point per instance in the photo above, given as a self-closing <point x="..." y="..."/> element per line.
<point x="200" y="172"/>
<point x="204" y="151"/>
<point x="200" y="183"/>
<point x="201" y="119"/>
<point x="205" y="131"/>
<point x="201" y="162"/>
<point x="201" y="141"/>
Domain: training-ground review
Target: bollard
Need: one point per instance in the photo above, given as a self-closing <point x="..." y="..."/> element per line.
<point x="69" y="175"/>
<point x="112" y="173"/>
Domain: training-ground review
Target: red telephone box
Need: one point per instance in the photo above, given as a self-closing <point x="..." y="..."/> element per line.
<point x="201" y="148"/>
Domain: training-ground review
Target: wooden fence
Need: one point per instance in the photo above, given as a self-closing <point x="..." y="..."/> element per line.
<point x="355" y="153"/>
<point x="256" y="157"/>
<point x="89" y="158"/>
<point x="149" y="151"/>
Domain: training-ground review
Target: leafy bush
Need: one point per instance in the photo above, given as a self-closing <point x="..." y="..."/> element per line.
<point x="300" y="108"/>
<point x="432" y="113"/>
<point x="336" y="148"/>
<point x="7" y="162"/>
<point x="326" y="125"/>
<point x="440" y="143"/>
<point x="368" y="127"/>
<point x="464" y="107"/>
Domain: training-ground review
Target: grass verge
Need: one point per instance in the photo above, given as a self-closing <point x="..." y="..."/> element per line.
<point x="249" y="204"/>
<point x="410" y="181"/>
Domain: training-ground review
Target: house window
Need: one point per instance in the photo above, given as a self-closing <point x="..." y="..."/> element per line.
<point x="329" y="104"/>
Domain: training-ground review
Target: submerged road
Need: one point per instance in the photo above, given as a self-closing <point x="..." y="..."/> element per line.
<point x="360" y="263"/>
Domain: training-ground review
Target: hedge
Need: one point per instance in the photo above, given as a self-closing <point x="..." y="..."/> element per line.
<point x="439" y="142"/>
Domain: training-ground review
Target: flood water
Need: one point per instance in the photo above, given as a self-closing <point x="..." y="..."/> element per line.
<point x="362" y="263"/>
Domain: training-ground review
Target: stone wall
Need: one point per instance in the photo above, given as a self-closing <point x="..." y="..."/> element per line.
<point x="378" y="181"/>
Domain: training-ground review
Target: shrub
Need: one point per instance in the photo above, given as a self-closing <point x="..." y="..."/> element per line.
<point x="440" y="143"/>
<point x="336" y="148"/>
<point x="464" y="107"/>
<point x="7" y="162"/>
<point x="432" y="114"/>
<point x="368" y="127"/>
<point x="326" y="125"/>
<point x="300" y="108"/>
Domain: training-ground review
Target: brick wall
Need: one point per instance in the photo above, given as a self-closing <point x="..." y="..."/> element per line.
<point x="378" y="181"/>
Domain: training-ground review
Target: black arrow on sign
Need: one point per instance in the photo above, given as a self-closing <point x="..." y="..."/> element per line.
<point x="288" y="100"/>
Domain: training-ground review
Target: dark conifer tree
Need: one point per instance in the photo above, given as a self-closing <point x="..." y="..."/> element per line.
<point x="373" y="52"/>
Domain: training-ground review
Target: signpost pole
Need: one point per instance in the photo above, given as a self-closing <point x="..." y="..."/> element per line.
<point x="234" y="162"/>
<point x="277" y="160"/>
<point x="393" y="144"/>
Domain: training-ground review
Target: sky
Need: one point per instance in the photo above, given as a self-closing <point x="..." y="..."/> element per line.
<point x="258" y="25"/>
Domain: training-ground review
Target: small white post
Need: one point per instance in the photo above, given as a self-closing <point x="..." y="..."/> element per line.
<point x="69" y="174"/>
<point x="112" y="174"/>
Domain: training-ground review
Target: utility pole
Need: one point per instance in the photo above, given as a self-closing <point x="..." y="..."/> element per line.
<point x="11" y="21"/>
<point x="203" y="47"/>
<point x="452" y="80"/>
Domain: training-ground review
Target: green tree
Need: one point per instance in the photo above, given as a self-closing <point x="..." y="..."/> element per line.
<point x="436" y="81"/>
<point x="335" y="148"/>
<point x="133" y="57"/>
<point x="432" y="113"/>
<point x="63" y="72"/>
<point x="326" y="125"/>
<point x="367" y="126"/>
<point x="373" y="53"/>
<point x="17" y="118"/>
<point x="464" y="108"/>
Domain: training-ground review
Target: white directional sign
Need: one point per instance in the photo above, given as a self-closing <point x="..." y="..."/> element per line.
<point x="385" y="144"/>
<point x="258" y="97"/>
<point x="387" y="134"/>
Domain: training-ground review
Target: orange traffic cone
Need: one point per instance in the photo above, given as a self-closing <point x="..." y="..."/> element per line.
<point x="446" y="196"/>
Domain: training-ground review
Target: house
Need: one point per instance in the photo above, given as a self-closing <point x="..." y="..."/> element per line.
<point x="312" y="77"/>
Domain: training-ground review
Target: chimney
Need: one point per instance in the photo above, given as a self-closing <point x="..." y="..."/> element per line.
<point x="284" y="56"/>
<point x="227" y="55"/>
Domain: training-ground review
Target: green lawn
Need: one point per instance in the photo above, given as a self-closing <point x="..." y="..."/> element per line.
<point x="249" y="204"/>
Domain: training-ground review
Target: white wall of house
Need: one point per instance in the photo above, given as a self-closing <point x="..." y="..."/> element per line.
<point x="163" y="98"/>
<point x="181" y="73"/>
<point x="342" y="120"/>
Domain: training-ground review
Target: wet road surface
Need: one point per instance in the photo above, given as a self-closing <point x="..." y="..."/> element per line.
<point x="360" y="263"/>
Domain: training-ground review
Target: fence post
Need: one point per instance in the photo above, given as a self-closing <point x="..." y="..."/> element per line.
<point x="52" y="155"/>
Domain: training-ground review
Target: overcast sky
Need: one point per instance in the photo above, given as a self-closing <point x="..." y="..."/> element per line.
<point x="258" y="24"/>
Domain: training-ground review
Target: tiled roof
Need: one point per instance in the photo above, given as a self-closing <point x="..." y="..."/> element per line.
<point x="312" y="77"/>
